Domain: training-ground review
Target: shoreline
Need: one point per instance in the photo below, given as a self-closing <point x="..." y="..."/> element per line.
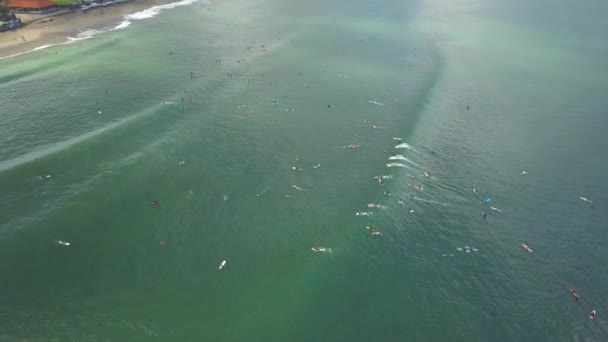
<point x="41" y="31"/>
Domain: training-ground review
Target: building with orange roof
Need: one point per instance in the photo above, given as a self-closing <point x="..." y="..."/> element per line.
<point x="29" y="5"/>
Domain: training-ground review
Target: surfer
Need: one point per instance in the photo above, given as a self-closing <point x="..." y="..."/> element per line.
<point x="484" y="215"/>
<point x="418" y="187"/>
<point x="496" y="209"/>
<point x="592" y="315"/>
<point x="468" y="107"/>
<point x="222" y="264"/>
<point x="588" y="201"/>
<point x="162" y="243"/>
<point x="427" y="175"/>
<point x="524" y="172"/>
<point x="154" y="203"/>
<point x="298" y="188"/>
<point x="380" y="181"/>
<point x="574" y="294"/>
<point x="475" y="191"/>
<point x="526" y="247"/>
<point x="318" y="249"/>
<point x="411" y="211"/>
<point x="64" y="243"/>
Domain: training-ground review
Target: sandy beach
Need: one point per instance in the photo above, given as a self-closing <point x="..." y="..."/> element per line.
<point x="55" y="28"/>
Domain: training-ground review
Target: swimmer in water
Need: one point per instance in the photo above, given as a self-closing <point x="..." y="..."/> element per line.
<point x="574" y="294"/>
<point x="475" y="191"/>
<point x="483" y="214"/>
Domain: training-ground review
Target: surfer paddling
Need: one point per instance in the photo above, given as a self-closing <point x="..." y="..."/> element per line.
<point x="574" y="294"/>
<point x="526" y="247"/>
<point x="299" y="188"/>
<point x="588" y="201"/>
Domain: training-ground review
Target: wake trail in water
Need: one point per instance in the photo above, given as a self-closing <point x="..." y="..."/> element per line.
<point x="66" y="144"/>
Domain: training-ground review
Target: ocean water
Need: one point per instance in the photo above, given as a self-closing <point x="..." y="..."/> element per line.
<point x="93" y="131"/>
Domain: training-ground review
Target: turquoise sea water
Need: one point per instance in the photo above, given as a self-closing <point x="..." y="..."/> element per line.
<point x="116" y="122"/>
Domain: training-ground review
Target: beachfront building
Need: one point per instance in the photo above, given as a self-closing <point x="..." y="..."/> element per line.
<point x="35" y="6"/>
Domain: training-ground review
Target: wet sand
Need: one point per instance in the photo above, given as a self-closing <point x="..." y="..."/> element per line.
<point x="40" y="30"/>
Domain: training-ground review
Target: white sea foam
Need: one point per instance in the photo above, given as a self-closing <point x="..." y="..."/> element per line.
<point x="155" y="10"/>
<point x="42" y="47"/>
<point x="124" y="24"/>
<point x="406" y="146"/>
<point x="400" y="157"/>
<point x="148" y="13"/>
<point x="35" y="49"/>
<point x="86" y="35"/>
<point x="396" y="165"/>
